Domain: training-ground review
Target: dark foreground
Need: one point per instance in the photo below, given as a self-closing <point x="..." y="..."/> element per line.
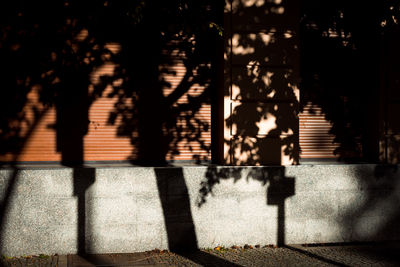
<point x="377" y="254"/>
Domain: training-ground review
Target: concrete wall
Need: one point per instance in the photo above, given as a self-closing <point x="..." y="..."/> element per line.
<point x="129" y="209"/>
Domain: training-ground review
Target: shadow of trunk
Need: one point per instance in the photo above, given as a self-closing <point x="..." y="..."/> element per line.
<point x="83" y="178"/>
<point x="175" y="202"/>
<point x="72" y="107"/>
<point x="5" y="202"/>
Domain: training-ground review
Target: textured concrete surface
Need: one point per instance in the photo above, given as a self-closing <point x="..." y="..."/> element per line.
<point x="377" y="254"/>
<point x="131" y="209"/>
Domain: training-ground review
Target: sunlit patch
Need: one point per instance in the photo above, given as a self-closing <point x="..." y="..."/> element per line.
<point x="114" y="48"/>
<point x="344" y="37"/>
<point x="296" y="90"/>
<point x="266" y="124"/>
<point x="252" y="63"/>
<point x="235" y="92"/>
<point x="245" y="151"/>
<point x="288" y="35"/>
<point x="238" y="49"/>
<point x="226" y="56"/>
<point x="394" y="19"/>
<point x="267" y="78"/>
<point x="100" y="126"/>
<point x="252" y="36"/>
<point x="55" y="81"/>
<point x="82" y="35"/>
<point x="250" y="3"/>
<point x="288" y="132"/>
<point x="278" y="10"/>
<point x="107" y="69"/>
<point x="37" y="117"/>
<point x="266" y="38"/>
<point x="90" y="89"/>
<point x="118" y="82"/>
<point x="253" y="70"/>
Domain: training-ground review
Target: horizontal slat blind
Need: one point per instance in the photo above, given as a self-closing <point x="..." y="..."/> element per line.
<point x="102" y="143"/>
<point x="315" y="139"/>
<point x="174" y="73"/>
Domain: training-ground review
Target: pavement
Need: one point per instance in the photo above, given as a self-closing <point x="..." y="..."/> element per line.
<point x="371" y="254"/>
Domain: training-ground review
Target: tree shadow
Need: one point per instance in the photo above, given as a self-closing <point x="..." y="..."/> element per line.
<point x="181" y="233"/>
<point x="350" y="71"/>
<point x="341" y="51"/>
<point x="261" y="100"/>
<point x="45" y="73"/>
<point x="261" y="83"/>
<point x="279" y="187"/>
<point x="55" y="56"/>
<point x="19" y="112"/>
<point x="379" y="198"/>
<point x="59" y="52"/>
<point x="159" y="114"/>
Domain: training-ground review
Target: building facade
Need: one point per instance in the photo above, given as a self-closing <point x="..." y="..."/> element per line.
<point x="269" y="83"/>
<point x="255" y="85"/>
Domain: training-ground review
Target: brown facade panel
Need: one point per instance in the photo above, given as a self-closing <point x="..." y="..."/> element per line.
<point x="103" y="140"/>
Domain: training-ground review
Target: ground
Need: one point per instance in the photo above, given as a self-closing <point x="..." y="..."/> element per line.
<point x="371" y="254"/>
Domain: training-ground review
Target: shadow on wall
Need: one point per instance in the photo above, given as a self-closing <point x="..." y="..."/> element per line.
<point x="48" y="59"/>
<point x="52" y="70"/>
<point x="347" y="71"/>
<point x="153" y="61"/>
<point x="181" y="232"/>
<point x="379" y="199"/>
<point x="340" y="70"/>
<point x="48" y="71"/>
<point x="261" y="88"/>
<point x="279" y="188"/>
<point x="261" y="83"/>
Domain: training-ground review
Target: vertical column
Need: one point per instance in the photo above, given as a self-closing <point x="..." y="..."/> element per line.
<point x="261" y="75"/>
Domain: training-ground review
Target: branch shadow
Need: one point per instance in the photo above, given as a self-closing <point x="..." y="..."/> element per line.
<point x="57" y="55"/>
<point x="341" y="73"/>
<point x="261" y="79"/>
<point x="44" y="73"/>
<point x="349" y="70"/>
<point x="261" y="83"/>
<point x="279" y="188"/>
